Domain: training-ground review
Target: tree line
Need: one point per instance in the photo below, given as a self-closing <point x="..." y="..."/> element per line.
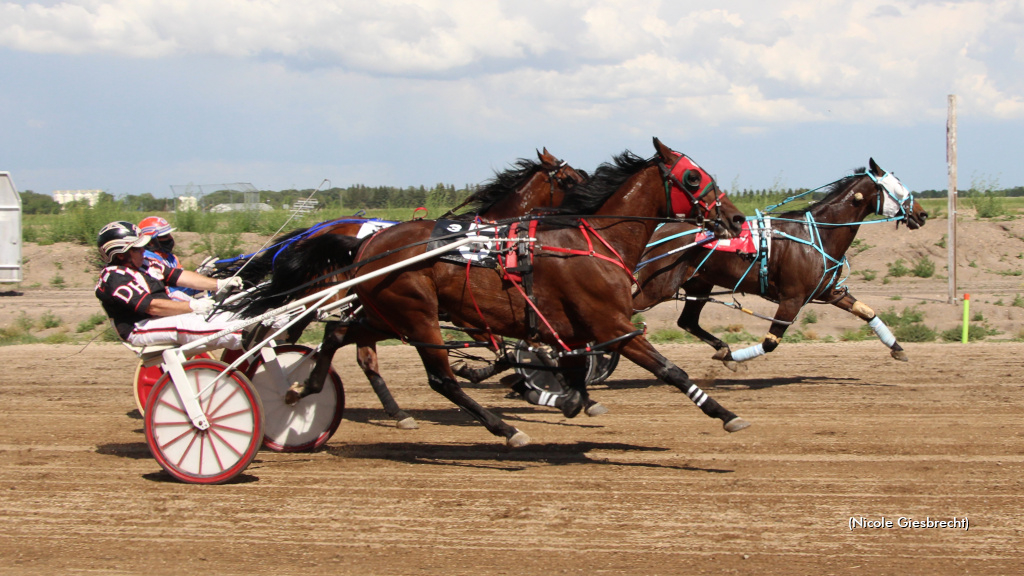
<point x="360" y="197"/>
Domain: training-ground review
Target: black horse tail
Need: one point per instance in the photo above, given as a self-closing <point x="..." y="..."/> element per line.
<point x="254" y="268"/>
<point x="307" y="266"/>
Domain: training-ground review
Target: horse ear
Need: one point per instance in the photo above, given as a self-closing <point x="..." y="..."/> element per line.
<point x="875" y="168"/>
<point x="664" y="151"/>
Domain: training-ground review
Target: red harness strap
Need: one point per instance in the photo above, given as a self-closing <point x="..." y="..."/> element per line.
<point x="584" y="227"/>
<point x="469" y="288"/>
<point x="511" y="253"/>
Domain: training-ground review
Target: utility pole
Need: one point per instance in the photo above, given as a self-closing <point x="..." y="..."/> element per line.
<point x="951" y="197"/>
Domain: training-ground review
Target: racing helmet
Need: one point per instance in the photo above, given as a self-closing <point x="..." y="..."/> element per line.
<point x="155" y="226"/>
<point x="117" y="238"/>
<point x="160" y="231"/>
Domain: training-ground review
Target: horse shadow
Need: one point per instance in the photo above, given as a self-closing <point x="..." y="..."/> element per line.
<point x="456" y="417"/>
<point x="496" y="457"/>
<point x="743" y="383"/>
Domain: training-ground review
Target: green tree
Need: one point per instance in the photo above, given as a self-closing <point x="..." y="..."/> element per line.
<point x="32" y="203"/>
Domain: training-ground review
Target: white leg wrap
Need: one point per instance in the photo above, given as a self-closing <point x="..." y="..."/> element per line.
<point x="882" y="331"/>
<point x="749" y="352"/>
<point x="697" y="395"/>
<point x="547" y="399"/>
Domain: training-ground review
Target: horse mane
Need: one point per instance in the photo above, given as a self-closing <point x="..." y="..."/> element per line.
<point x="501" y="185"/>
<point x="607" y="179"/>
<point x="831" y="192"/>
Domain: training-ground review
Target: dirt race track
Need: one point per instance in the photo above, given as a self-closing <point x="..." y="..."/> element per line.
<point x="839" y="431"/>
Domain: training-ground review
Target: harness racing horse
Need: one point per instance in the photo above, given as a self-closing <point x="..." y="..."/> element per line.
<point x="581" y="270"/>
<point x="300" y="264"/>
<point x="798" y="257"/>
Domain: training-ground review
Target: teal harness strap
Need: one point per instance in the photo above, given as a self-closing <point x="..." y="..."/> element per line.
<point x="669" y="239"/>
<point x="829" y="264"/>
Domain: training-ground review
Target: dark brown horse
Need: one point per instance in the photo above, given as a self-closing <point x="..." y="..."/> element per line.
<point x="581" y="274"/>
<point x="801" y="260"/>
<point x="299" y="264"/>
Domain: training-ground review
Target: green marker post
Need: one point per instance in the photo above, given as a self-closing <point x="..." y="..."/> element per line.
<point x="967" y="307"/>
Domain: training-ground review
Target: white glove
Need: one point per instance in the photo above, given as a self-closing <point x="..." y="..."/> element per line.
<point x="202" y="305"/>
<point x="232" y="284"/>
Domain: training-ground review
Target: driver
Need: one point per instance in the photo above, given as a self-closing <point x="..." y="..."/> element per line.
<point x="160" y="254"/>
<point x="134" y="295"/>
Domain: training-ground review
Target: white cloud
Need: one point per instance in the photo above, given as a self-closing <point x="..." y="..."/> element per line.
<point x="496" y="71"/>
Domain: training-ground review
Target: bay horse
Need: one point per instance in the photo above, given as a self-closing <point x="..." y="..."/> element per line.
<point x="582" y="279"/>
<point x="298" y="264"/>
<point x="800" y="261"/>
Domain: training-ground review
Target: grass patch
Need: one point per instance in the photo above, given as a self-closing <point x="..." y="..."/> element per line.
<point x="898" y="269"/>
<point x="90" y="323"/>
<point x="915" y="333"/>
<point x="907" y="325"/>
<point x="670" y="336"/>
<point x="48" y="320"/>
<point x="924" y="268"/>
<point x="975" y="332"/>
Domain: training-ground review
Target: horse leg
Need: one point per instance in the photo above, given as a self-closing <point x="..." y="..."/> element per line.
<point x="366" y="357"/>
<point x="864" y="312"/>
<point x="689" y="320"/>
<point x="478" y="375"/>
<point x="334" y="334"/>
<point x="295" y="330"/>
<point x="442" y="381"/>
<point x="643" y="354"/>
<point x="784" y="315"/>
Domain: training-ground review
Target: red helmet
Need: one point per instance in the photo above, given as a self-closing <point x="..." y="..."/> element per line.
<point x="155" y="226"/>
<point x="118" y="238"/>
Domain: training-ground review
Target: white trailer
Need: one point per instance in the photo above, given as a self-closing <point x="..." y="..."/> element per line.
<point x="10" y="230"/>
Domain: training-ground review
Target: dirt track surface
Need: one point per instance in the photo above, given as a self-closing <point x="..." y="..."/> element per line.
<point x="653" y="487"/>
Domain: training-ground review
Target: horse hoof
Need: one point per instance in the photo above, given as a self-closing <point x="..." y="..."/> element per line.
<point x="736" y="424"/>
<point x="518" y="440"/>
<point x="407" y="423"/>
<point x="900" y="355"/>
<point x="572" y="404"/>
<point x="292" y="397"/>
<point x="732" y="365"/>
<point x="721" y="354"/>
<point x="596" y="409"/>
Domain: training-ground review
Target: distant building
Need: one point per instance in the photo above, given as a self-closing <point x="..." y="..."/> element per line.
<point x="241" y="207"/>
<point x="186" y="203"/>
<point x="65" y="196"/>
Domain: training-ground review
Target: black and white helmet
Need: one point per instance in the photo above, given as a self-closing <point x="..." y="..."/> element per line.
<point x="118" y="238"/>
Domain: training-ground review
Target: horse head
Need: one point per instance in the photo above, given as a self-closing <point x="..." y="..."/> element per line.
<point x="693" y="193"/>
<point x="560" y="172"/>
<point x="893" y="199"/>
<point x="527" y="186"/>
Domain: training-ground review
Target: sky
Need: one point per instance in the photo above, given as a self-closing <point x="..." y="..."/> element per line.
<point x="136" y="96"/>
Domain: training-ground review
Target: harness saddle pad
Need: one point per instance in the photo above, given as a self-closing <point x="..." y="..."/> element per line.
<point x="749" y="240"/>
<point x="475" y="253"/>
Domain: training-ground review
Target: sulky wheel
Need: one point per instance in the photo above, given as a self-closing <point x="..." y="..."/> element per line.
<point x="222" y="451"/>
<point x="146" y="377"/>
<point x="307" y="424"/>
<point x="600" y="367"/>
